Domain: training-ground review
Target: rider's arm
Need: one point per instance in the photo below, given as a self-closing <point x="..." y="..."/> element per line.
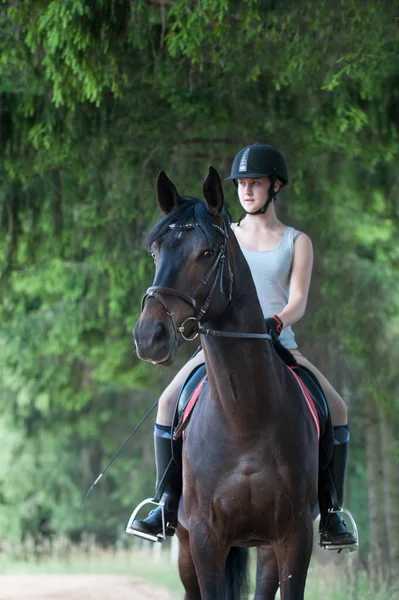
<point x="301" y="274"/>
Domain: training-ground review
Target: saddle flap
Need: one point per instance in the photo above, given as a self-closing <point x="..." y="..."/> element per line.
<point x="182" y="414"/>
<point x="326" y="430"/>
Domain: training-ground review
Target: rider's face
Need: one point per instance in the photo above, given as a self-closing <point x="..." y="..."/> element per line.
<point x="253" y="193"/>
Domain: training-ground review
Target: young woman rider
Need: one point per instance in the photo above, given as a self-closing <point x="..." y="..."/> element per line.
<point x="281" y="260"/>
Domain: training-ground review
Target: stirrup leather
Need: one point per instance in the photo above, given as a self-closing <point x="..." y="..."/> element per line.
<point x="147" y="536"/>
<point x="327" y="545"/>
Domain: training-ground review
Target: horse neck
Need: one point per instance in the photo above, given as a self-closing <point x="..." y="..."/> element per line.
<point x="241" y="368"/>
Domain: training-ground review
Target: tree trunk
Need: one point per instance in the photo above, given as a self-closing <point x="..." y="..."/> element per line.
<point x="391" y="492"/>
<point x="379" y="556"/>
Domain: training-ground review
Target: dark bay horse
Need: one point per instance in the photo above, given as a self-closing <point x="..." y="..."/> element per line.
<point x="250" y="455"/>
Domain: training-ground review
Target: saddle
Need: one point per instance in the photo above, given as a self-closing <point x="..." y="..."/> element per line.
<point x="187" y="399"/>
<point x="193" y="385"/>
<point x="326" y="442"/>
<point x="312" y="385"/>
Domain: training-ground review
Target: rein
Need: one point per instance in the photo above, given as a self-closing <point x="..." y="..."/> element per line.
<point x="234" y="334"/>
<point x="217" y="269"/>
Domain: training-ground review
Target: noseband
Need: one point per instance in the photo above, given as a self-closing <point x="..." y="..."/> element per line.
<point x="216" y="271"/>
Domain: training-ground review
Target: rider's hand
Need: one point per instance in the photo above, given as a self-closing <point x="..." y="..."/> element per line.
<point x="274" y="326"/>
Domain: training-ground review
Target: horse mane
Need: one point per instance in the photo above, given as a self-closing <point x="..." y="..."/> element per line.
<point x="285" y="354"/>
<point x="190" y="210"/>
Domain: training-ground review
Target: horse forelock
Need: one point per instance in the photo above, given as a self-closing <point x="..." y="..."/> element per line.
<point x="190" y="211"/>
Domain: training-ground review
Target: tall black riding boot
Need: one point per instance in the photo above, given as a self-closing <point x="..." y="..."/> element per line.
<point x="168" y="490"/>
<point x="332" y="526"/>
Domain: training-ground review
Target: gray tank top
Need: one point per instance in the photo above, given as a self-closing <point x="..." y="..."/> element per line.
<point x="271" y="271"/>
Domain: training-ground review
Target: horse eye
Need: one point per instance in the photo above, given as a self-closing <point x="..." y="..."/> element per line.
<point x="153" y="256"/>
<point x="208" y="253"/>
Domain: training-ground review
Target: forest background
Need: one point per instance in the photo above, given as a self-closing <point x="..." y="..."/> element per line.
<point x="95" y="98"/>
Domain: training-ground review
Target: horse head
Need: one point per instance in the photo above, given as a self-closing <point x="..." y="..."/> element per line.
<point x="191" y="283"/>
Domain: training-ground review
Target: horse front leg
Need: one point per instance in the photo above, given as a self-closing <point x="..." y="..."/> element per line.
<point x="209" y="556"/>
<point x="188" y="574"/>
<point x="267" y="578"/>
<point x="293" y="557"/>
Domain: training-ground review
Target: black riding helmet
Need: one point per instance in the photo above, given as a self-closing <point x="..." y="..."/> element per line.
<point x="260" y="160"/>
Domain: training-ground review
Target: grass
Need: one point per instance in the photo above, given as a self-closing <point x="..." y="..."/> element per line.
<point x="329" y="577"/>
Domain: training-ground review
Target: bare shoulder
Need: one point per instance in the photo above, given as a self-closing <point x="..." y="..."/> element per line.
<point x="302" y="240"/>
<point x="303" y="249"/>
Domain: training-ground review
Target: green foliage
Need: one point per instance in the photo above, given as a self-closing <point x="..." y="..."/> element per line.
<point x="95" y="98"/>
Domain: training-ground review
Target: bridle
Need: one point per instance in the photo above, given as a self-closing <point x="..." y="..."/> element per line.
<point x="217" y="272"/>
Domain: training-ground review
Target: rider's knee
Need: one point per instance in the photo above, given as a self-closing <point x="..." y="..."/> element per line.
<point x="165" y="399"/>
<point x="343" y="411"/>
<point x="339" y="412"/>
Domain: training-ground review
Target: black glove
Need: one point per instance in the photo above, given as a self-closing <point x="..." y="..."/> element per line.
<point x="274" y="326"/>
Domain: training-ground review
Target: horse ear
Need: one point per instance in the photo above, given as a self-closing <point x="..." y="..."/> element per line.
<point x="167" y="195"/>
<point x="213" y="192"/>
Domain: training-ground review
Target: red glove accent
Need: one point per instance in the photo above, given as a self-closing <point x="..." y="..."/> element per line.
<point x="274" y="326"/>
<point x="280" y="324"/>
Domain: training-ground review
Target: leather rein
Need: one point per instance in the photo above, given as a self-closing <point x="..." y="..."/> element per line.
<point x="216" y="270"/>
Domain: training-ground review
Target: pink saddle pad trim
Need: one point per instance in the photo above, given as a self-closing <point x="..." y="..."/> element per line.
<point x="305" y="392"/>
<point x="309" y="402"/>
<point x="193" y="399"/>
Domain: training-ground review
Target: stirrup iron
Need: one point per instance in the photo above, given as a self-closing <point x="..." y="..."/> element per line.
<point x="160" y="537"/>
<point x="147" y="536"/>
<point x="327" y="545"/>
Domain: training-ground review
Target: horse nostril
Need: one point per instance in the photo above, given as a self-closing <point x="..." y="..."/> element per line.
<point x="159" y="331"/>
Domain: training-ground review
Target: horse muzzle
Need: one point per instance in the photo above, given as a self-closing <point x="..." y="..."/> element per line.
<point x="155" y="341"/>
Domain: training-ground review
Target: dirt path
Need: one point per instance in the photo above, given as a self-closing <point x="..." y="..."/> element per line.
<point x="77" y="587"/>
